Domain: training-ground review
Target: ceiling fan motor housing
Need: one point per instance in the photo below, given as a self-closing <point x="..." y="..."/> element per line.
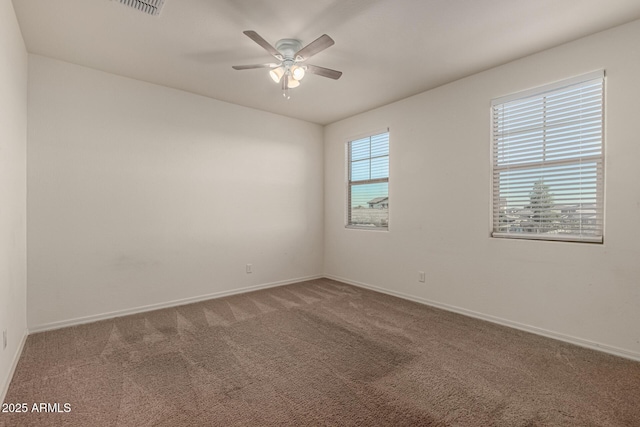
<point x="288" y="48"/>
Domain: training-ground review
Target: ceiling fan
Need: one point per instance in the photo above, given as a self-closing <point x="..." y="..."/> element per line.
<point x="291" y="56"/>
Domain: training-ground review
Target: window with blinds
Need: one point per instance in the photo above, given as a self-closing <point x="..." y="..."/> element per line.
<point x="548" y="162"/>
<point x="368" y="182"/>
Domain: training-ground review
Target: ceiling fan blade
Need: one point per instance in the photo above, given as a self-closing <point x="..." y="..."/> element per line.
<point x="324" y="72"/>
<point x="265" y="44"/>
<point x="252" y="66"/>
<point x="316" y="46"/>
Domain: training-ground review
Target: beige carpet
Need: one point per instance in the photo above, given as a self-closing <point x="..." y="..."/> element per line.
<point x="316" y="353"/>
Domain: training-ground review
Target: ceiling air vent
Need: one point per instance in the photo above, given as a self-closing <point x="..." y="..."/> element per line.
<point x="151" y="7"/>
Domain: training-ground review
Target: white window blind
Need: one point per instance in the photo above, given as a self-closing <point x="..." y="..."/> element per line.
<point x="548" y="162"/>
<point x="368" y="182"/>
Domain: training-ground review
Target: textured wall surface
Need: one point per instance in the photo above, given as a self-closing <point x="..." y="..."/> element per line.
<point x="142" y="195"/>
<point x="13" y="174"/>
<point x="440" y="193"/>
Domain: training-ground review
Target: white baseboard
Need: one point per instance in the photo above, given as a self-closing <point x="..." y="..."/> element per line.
<point x="151" y="307"/>
<point x="516" y="325"/>
<point x="14" y="364"/>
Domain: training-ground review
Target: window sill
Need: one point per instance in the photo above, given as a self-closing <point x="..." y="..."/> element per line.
<point x="365" y="227"/>
<point x="548" y="238"/>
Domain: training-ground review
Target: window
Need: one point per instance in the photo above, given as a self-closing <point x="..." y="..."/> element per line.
<point x="368" y="182"/>
<point x="548" y="162"/>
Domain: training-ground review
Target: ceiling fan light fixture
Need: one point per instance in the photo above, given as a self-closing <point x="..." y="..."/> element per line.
<point x="292" y="82"/>
<point x="276" y="74"/>
<point x="297" y="72"/>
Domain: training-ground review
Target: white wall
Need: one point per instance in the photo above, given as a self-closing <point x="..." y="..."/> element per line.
<point x="440" y="206"/>
<point x="141" y="195"/>
<point x="13" y="146"/>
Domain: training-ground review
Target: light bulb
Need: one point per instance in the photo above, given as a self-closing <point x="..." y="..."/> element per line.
<point x="276" y="74"/>
<point x="297" y="72"/>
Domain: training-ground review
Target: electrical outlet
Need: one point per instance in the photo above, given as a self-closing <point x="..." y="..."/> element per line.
<point x="249" y="268"/>
<point x="4" y="339"/>
<point x="421" y="276"/>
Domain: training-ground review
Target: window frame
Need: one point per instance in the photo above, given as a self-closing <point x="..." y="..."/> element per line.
<point x="349" y="184"/>
<point x="599" y="160"/>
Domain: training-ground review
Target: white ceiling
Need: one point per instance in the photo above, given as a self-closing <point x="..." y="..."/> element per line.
<point x="387" y="49"/>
